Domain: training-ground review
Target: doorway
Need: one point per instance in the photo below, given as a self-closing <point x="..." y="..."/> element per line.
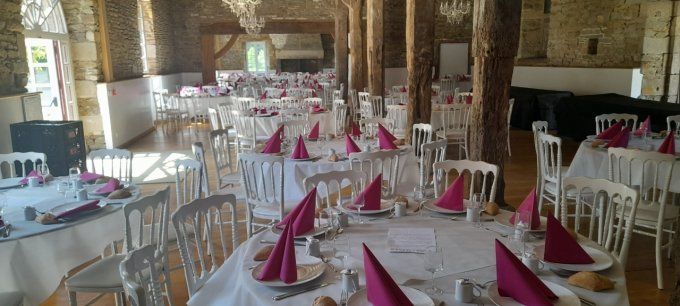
<point x="46" y="77"/>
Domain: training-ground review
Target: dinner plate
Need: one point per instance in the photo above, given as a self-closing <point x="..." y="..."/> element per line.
<point x="429" y="205"/>
<point x="504" y="220"/>
<point x="385" y="205"/>
<point x="565" y="296"/>
<point x="317" y="231"/>
<point x="417" y="297"/>
<point x="310" y="158"/>
<point x="92" y="190"/>
<point x="10" y="182"/>
<point x="308" y="269"/>
<point x="68" y="206"/>
<point x="602" y="260"/>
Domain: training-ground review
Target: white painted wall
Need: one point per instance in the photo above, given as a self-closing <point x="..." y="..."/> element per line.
<point x="580" y="81"/>
<point x="453" y="58"/>
<point x="395" y="76"/>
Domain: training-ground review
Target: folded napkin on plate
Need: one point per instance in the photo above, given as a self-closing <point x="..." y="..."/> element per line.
<point x="273" y="145"/>
<point x="263" y="96"/>
<point x="281" y="263"/>
<point x="468" y="99"/>
<point x="620" y="140"/>
<point x="314" y="133"/>
<point x="453" y="197"/>
<point x="381" y="289"/>
<point x="561" y="247"/>
<point x="356" y="131"/>
<point x="110" y="187"/>
<point x="302" y="216"/>
<point x="318" y="110"/>
<point x="89" y="176"/>
<point x="529" y="211"/>
<point x="386" y="139"/>
<point x="668" y="144"/>
<point x="610" y="132"/>
<point x="644" y="127"/>
<point x="314" y="94"/>
<point x="263" y="110"/>
<point x="31" y="174"/>
<point x="300" y="151"/>
<point x="515" y="280"/>
<point x="371" y="194"/>
<point x="80" y="209"/>
<point x="350" y="146"/>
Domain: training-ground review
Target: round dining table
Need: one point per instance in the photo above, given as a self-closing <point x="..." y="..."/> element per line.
<point x="594" y="162"/>
<point x="36" y="257"/>
<point x="468" y="253"/>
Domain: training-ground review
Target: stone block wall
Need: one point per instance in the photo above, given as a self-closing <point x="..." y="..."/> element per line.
<point x="660" y="63"/>
<point x="124" y="41"/>
<point x="534" y="30"/>
<point x="235" y="58"/>
<point x="13" y="63"/>
<point x="328" y="45"/>
<point x="159" y="36"/>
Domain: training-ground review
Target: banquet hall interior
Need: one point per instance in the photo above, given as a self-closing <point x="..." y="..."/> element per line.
<point x="339" y="152"/>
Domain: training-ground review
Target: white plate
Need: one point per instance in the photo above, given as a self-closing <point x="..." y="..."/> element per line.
<point x="602" y="260"/>
<point x="92" y="190"/>
<point x="317" y="231"/>
<point x="565" y="296"/>
<point x="504" y="220"/>
<point x="417" y="297"/>
<point x="10" y="182"/>
<point x="311" y="157"/>
<point x="308" y="269"/>
<point x="68" y="206"/>
<point x="385" y="205"/>
<point x="429" y="205"/>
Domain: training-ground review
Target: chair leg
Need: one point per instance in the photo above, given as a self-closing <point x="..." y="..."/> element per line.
<point x="670" y="241"/>
<point x="659" y="258"/>
<point x="72" y="298"/>
<point x="120" y="298"/>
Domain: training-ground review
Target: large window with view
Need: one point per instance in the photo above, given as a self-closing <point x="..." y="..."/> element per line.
<point x="256" y="57"/>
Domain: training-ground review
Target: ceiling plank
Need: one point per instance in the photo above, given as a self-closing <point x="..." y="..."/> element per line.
<point x="272" y="27"/>
<point x="227" y="46"/>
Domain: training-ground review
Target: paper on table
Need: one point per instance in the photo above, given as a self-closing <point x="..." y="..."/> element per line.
<point x="410" y="240"/>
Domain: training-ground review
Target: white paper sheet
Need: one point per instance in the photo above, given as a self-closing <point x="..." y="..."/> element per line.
<point x="410" y="240"/>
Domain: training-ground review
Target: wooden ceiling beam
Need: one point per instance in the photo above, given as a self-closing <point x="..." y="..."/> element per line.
<point x="272" y="27"/>
<point x="227" y="46"/>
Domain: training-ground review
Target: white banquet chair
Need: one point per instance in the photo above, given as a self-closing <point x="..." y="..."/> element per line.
<point x="377" y="162"/>
<point x="399" y="114"/>
<point x="144" y="278"/>
<point x="377" y="106"/>
<point x="146" y="222"/>
<point x="369" y="126"/>
<point x="453" y="126"/>
<point x="115" y="163"/>
<point x="291" y="102"/>
<point x="309" y="102"/>
<point x="355" y="110"/>
<point x="550" y="160"/>
<point x="431" y="152"/>
<point x="201" y="259"/>
<point x="244" y="104"/>
<point x="159" y="106"/>
<point x="649" y="172"/>
<point x="331" y="184"/>
<point x="24" y="159"/>
<point x="294" y="128"/>
<point x="219" y="145"/>
<point x="262" y="178"/>
<point x="673" y="123"/>
<point x="620" y="204"/>
<point x="474" y="170"/>
<point x="538" y="127"/>
<point x="602" y="122"/>
<point x="246" y="139"/>
<point x="340" y="119"/>
<point x="337" y="95"/>
<point x="422" y="133"/>
<point x="214" y="119"/>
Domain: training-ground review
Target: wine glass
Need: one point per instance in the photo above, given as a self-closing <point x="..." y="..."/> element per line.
<point x="73" y="174"/>
<point x="341" y="249"/>
<point x="478" y="202"/>
<point x="358" y="204"/>
<point x="433" y="260"/>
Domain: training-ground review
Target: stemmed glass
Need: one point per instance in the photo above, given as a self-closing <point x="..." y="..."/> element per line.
<point x="433" y="260"/>
<point x="341" y="249"/>
<point x="358" y="204"/>
<point x="73" y="174"/>
<point x="43" y="170"/>
<point x="478" y="202"/>
<point x="517" y="240"/>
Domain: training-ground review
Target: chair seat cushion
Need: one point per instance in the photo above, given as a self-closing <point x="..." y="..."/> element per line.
<point x="11" y="298"/>
<point x="103" y="274"/>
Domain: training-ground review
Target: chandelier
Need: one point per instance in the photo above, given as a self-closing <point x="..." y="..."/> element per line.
<point x="455" y="10"/>
<point x="251" y="23"/>
<point x="240" y="8"/>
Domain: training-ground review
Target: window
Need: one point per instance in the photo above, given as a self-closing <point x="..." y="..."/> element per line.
<point x="44" y="16"/>
<point x="592" y="46"/>
<point x="256" y="57"/>
<point x="142" y="39"/>
<point x="547" y="6"/>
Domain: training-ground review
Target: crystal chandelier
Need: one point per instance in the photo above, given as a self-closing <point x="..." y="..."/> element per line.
<point x="455" y="10"/>
<point x="251" y="23"/>
<point x="241" y="8"/>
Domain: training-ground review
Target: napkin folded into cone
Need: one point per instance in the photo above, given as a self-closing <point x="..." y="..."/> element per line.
<point x="281" y="263"/>
<point x="381" y="289"/>
<point x="314" y="133"/>
<point x="610" y="132"/>
<point x="110" y="187"/>
<point x="620" y="140"/>
<point x="273" y="145"/>
<point x="515" y="280"/>
<point x="80" y="209"/>
<point x="528" y="211"/>
<point x="302" y="216"/>
<point x="561" y="247"/>
<point x="386" y="139"/>
<point x="350" y="146"/>
<point x="453" y="197"/>
<point x="300" y="151"/>
<point x="371" y="195"/>
<point x="668" y="144"/>
<point x="644" y="127"/>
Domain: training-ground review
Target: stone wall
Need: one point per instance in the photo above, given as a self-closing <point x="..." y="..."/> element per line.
<point x="328" y="51"/>
<point x="159" y="36"/>
<point x="13" y="64"/>
<point x="534" y="30"/>
<point x="235" y="58"/>
<point x="660" y="55"/>
<point x="124" y="41"/>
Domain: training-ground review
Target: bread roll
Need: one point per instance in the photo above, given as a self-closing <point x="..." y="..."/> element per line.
<point x="324" y="301"/>
<point x="591" y="281"/>
<point x="491" y="209"/>
<point x="597" y="143"/>
<point x="46" y="219"/>
<point x="263" y="253"/>
<point x="119" y="194"/>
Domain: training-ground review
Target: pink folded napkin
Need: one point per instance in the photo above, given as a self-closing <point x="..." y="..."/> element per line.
<point x="283" y="94"/>
<point x="561" y="247"/>
<point x="350" y="146"/>
<point x="381" y="289"/>
<point x="515" y="280"/>
<point x="302" y="216"/>
<point x="314" y="133"/>
<point x="644" y="127"/>
<point x="403" y="89"/>
<point x="610" y="132"/>
<point x="273" y="145"/>
<point x="385" y="139"/>
<point x="468" y="99"/>
<point x="371" y="194"/>
<point x="281" y="263"/>
<point x="449" y="99"/>
<point x="314" y="94"/>
<point x="620" y="140"/>
<point x="263" y="111"/>
<point x="33" y="173"/>
<point x="668" y="144"/>
<point x="263" y="96"/>
<point x="82" y="208"/>
<point x="300" y="151"/>
<point x="453" y="197"/>
<point x="356" y="131"/>
<point x="529" y="211"/>
<point x="387" y="133"/>
<point x="110" y="187"/>
<point x="89" y="176"/>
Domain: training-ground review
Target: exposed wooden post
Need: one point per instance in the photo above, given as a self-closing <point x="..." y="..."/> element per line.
<point x="375" y="42"/>
<point x="341" y="45"/>
<point x="227" y="46"/>
<point x="107" y="68"/>
<point x="355" y="44"/>
<point x="208" y="57"/>
<point x="495" y="41"/>
<point x="419" y="58"/>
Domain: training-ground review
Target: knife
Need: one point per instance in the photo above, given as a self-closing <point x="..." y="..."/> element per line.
<point x="289" y="294"/>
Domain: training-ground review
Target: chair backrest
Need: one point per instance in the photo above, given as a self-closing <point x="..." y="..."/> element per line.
<point x="333" y="186"/>
<point x="200" y="219"/>
<point x="219" y="145"/>
<point x="399" y="114"/>
<point x="24" y="161"/>
<point x="294" y="128"/>
<point x="446" y="84"/>
<point x="245" y="124"/>
<point x="377" y="162"/>
<point x="309" y="102"/>
<point x="436" y="89"/>
<point x="146" y="222"/>
<point x="244" y="103"/>
<point x="550" y="156"/>
<point x="673" y="123"/>
<point x="262" y="179"/>
<point x="338" y="102"/>
<point x="337" y="94"/>
<point x="340" y="116"/>
<point x="422" y="133"/>
<point x="618" y="204"/>
<point x="115" y="163"/>
<point x="291" y="102"/>
<point x="188" y="180"/>
<point x="199" y="154"/>
<point x="144" y="278"/>
<point x="158" y="99"/>
<point x="295" y="114"/>
<point x="363" y="96"/>
<point x="376" y="106"/>
<point x="455" y="118"/>
<point x="431" y="152"/>
<point x="538" y="127"/>
<point x="473" y="170"/>
<point x="214" y="119"/>
<point x="369" y="126"/>
<point x="602" y="122"/>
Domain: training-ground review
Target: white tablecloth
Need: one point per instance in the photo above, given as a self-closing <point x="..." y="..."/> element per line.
<point x="469" y="252"/>
<point x="594" y="162"/>
<point x="266" y="126"/>
<point x="35" y="258"/>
